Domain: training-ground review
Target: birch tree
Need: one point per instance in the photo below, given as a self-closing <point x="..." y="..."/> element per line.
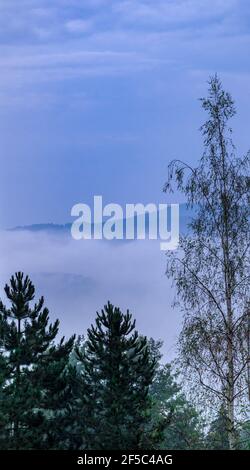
<point x="211" y="267"/>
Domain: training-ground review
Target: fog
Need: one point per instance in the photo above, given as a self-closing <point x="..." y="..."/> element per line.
<point x="78" y="277"/>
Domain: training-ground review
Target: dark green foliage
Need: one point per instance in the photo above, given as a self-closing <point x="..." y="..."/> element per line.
<point x="110" y="392"/>
<point x="117" y="371"/>
<point x="77" y="417"/>
<point x="244" y="435"/>
<point x="217" y="437"/>
<point x="183" y="429"/>
<point x="34" y="388"/>
<point x="176" y="420"/>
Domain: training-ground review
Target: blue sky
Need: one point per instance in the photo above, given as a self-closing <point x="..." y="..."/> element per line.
<point x="96" y="96"/>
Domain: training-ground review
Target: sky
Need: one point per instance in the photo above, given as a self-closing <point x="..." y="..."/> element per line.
<point x="96" y="98"/>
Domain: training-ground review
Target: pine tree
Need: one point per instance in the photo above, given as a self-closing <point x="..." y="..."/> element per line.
<point x="34" y="387"/>
<point x="217" y="437"/>
<point x="175" y="423"/>
<point x="117" y="371"/>
<point x="76" y="419"/>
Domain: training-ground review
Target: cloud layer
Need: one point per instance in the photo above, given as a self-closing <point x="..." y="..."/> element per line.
<point x="77" y="278"/>
<point x="57" y="40"/>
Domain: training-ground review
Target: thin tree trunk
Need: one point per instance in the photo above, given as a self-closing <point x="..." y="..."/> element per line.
<point x="248" y="351"/>
<point x="16" y="422"/>
<point x="230" y="407"/>
<point x="228" y="294"/>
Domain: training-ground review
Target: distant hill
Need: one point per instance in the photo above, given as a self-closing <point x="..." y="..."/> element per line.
<point x="185" y="216"/>
<point x="49" y="227"/>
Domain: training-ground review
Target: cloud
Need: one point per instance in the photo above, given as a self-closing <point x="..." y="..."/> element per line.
<point x="172" y="12"/>
<point x="78" y="26"/>
<point x="72" y="57"/>
<point x="60" y="41"/>
<point x="45" y="20"/>
<point x="28" y="68"/>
